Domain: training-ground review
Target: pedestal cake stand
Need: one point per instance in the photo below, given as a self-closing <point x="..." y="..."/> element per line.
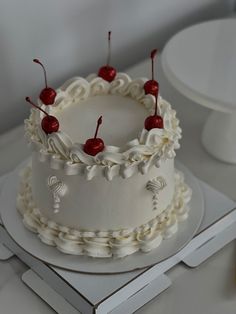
<point x="200" y="62"/>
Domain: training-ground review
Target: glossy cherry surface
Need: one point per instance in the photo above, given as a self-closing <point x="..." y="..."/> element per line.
<point x="154" y="121"/>
<point x="49" y="123"/>
<point x="152" y="86"/>
<point x="94" y="145"/>
<point x="48" y="94"/>
<point x="107" y="72"/>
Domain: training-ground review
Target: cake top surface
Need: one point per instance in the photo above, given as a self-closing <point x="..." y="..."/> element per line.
<point x="122" y="118"/>
<point x="129" y="147"/>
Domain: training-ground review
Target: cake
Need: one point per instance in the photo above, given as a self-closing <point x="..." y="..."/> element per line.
<point x="125" y="198"/>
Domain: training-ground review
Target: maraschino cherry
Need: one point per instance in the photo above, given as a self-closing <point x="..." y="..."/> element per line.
<point x="155" y="121"/>
<point x="49" y="123"/>
<point x="94" y="145"/>
<point x="152" y="86"/>
<point x="48" y="94"/>
<point x="107" y="72"/>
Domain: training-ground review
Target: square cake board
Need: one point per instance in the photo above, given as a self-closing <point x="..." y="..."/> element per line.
<point x="70" y="292"/>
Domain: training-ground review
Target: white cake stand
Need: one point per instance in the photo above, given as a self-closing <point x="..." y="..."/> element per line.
<point x="30" y="242"/>
<point x="200" y="62"/>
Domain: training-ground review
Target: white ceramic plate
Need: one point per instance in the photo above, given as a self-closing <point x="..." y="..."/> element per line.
<point x="31" y="243"/>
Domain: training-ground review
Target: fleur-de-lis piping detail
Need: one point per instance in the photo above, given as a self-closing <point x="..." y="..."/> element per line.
<point x="155" y="186"/>
<point x="58" y="190"/>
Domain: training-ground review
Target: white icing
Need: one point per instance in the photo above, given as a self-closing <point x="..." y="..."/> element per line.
<point x="104" y="243"/>
<point x="100" y="204"/>
<point x="155" y="186"/>
<point x="137" y="155"/>
<point x="58" y="189"/>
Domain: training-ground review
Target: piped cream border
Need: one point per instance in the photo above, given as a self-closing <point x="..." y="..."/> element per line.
<point x="138" y="155"/>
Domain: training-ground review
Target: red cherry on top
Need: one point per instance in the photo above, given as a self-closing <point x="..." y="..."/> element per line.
<point x="152" y="86"/>
<point x="48" y="94"/>
<point x="49" y="123"/>
<point x="94" y="145"/>
<point x="155" y="121"/>
<point x="107" y="72"/>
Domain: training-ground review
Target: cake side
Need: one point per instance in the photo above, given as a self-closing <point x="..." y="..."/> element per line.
<point x="99" y="204"/>
<point x="109" y="243"/>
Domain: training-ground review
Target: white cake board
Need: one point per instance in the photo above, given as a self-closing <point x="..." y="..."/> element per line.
<point x="5" y="254"/>
<point x="32" y="244"/>
<point x="125" y="293"/>
<point x="53" y="299"/>
<point x="61" y="306"/>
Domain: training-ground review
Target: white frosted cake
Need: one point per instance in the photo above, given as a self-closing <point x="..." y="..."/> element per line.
<point x="125" y="198"/>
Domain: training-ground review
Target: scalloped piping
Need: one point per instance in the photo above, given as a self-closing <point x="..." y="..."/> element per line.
<point x="138" y="155"/>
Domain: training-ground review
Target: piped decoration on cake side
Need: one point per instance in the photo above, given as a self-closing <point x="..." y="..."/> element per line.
<point x="58" y="190"/>
<point x="75" y="241"/>
<point x="155" y="186"/>
<point x="152" y="86"/>
<point x="94" y="145"/>
<point x="48" y="94"/>
<point x="49" y="123"/>
<point x="154" y="121"/>
<point x="107" y="72"/>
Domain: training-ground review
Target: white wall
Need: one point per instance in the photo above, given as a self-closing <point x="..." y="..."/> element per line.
<point x="69" y="36"/>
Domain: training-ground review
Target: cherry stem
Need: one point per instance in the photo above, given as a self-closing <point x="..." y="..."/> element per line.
<point x="44" y="71"/>
<point x="99" y="122"/>
<point x="109" y="48"/>
<point x="30" y="101"/>
<point x="153" y="55"/>
<point x="155" y="105"/>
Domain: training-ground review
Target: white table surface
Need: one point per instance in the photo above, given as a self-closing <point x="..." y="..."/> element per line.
<point x="208" y="289"/>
